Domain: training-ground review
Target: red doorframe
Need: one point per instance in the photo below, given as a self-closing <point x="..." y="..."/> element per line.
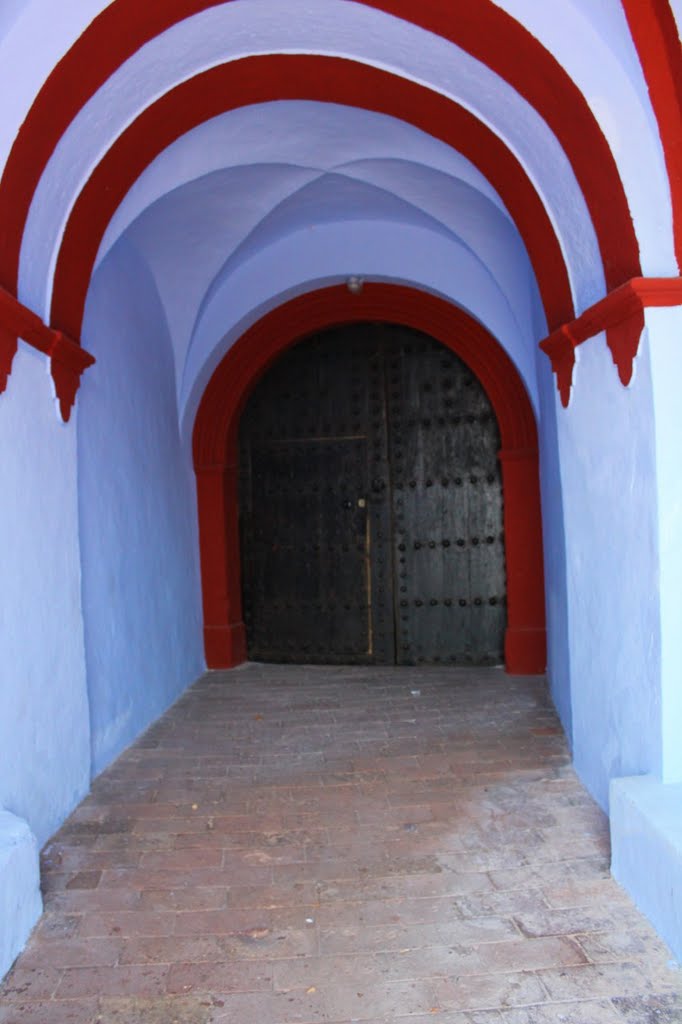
<point x="215" y="449"/>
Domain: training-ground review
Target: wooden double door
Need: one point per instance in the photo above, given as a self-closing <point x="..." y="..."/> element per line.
<point x="371" y="505"/>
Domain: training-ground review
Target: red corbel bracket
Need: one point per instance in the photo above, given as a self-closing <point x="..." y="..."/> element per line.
<point x="8" y="346"/>
<point x="67" y="359"/>
<point x="67" y="362"/>
<point x="621" y="315"/>
<point x="9" y="322"/>
<point x="560" y="347"/>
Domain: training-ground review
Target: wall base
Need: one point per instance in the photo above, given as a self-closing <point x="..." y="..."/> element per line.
<point x="20" y="901"/>
<point x="225" y="646"/>
<point x="525" y="651"/>
<point x="646" y="843"/>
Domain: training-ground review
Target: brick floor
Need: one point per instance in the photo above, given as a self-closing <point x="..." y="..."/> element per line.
<point x="333" y="845"/>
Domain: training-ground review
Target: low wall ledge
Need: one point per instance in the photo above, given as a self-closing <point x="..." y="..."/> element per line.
<point x="20" y="900"/>
<point x="646" y="844"/>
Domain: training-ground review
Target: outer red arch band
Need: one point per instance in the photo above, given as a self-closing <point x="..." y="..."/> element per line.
<point x="215" y="455"/>
<point x="329" y="79"/>
<point x="483" y="29"/>
<point x="655" y="34"/>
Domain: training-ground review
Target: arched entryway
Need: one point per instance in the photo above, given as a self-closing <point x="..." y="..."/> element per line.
<point x="216" y="456"/>
<point x="371" y="505"/>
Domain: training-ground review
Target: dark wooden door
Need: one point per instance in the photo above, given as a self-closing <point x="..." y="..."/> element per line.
<point x="371" y="505"/>
<point x="316" y="552"/>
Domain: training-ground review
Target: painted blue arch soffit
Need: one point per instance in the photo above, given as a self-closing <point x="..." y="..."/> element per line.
<point x="206" y="224"/>
<point x="310" y="135"/>
<point x="459" y="213"/>
<point x="201" y="234"/>
<point x="385" y="251"/>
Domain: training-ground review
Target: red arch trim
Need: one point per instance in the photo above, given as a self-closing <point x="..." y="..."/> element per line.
<point x="215" y="454"/>
<point x="257" y="79"/>
<point x="655" y="34"/>
<point x="483" y="29"/>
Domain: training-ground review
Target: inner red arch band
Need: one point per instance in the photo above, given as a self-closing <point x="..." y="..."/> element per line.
<point x="215" y="452"/>
<point x="327" y="79"/>
<point x="482" y="29"/>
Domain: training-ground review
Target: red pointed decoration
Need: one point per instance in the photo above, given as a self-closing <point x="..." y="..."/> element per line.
<point x="621" y="315"/>
<point x="8" y="346"/>
<point x="68" y="360"/>
<point x="560" y="347"/>
<point x="8" y="340"/>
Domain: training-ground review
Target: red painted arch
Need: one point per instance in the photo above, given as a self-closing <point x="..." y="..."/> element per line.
<point x="327" y="79"/>
<point x="655" y="34"/>
<point x="216" y="455"/>
<point x="484" y="30"/>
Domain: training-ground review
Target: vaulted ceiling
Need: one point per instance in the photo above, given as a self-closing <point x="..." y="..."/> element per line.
<point x="503" y="155"/>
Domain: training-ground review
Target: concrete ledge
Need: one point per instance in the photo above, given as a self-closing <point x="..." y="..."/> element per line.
<point x="20" y="901"/>
<point x="646" y="846"/>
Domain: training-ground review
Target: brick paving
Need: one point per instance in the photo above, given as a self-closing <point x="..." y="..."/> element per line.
<point x="310" y="845"/>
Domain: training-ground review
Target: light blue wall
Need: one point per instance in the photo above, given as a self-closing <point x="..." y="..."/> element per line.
<point x="141" y="590"/>
<point x="646" y="819"/>
<point x="608" y="475"/>
<point x="662" y="338"/>
<point x="44" y="735"/>
<point x="9" y="12"/>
